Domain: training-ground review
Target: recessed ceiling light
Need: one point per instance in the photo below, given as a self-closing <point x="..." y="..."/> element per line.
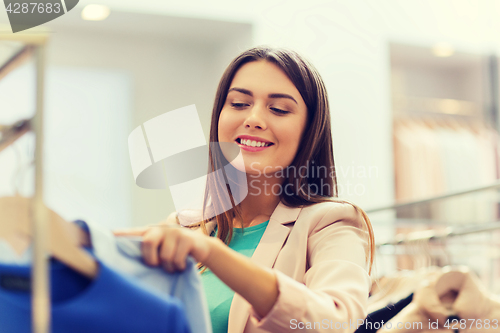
<point x="443" y="50"/>
<point x="95" y="12"/>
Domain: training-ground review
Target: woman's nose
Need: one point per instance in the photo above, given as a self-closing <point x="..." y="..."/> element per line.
<point x="255" y="118"/>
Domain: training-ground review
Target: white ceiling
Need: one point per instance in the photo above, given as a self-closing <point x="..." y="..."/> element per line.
<point x="153" y="25"/>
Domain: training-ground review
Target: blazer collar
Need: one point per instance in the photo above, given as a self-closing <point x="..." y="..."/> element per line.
<point x="282" y="214"/>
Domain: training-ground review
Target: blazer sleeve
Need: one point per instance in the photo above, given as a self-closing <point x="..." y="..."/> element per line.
<point x="334" y="293"/>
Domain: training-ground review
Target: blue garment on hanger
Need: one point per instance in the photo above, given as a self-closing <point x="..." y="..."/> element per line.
<point x="124" y="255"/>
<point x="109" y="303"/>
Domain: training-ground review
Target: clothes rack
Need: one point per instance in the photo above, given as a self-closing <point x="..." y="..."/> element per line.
<point x="35" y="42"/>
<point x="16" y="60"/>
<point x="430" y="235"/>
<point x="492" y="186"/>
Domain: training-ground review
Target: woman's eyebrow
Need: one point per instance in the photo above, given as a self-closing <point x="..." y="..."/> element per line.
<point x="249" y="93"/>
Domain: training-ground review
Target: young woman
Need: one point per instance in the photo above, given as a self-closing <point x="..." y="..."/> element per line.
<point x="289" y="255"/>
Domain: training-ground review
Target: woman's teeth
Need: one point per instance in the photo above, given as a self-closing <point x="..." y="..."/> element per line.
<point x="251" y="143"/>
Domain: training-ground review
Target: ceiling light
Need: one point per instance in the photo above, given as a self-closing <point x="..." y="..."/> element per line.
<point x="443" y="50"/>
<point x="95" y="12"/>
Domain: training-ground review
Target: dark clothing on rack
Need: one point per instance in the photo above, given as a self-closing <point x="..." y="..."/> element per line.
<point x="376" y="319"/>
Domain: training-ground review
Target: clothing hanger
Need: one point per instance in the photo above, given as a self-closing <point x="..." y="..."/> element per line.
<point x="427" y="254"/>
<point x="64" y="238"/>
<point x="444" y="254"/>
<point x="16" y="228"/>
<point x="9" y="134"/>
<point x="413" y="252"/>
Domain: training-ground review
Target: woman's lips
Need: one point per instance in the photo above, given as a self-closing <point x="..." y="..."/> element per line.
<point x="253" y="149"/>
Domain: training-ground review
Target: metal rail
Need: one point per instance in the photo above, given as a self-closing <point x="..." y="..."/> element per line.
<point x="430" y="235"/>
<point x="436" y="198"/>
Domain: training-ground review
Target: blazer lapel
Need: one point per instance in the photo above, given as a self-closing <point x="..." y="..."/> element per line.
<point x="265" y="254"/>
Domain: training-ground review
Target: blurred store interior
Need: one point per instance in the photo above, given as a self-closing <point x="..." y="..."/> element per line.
<point x="413" y="87"/>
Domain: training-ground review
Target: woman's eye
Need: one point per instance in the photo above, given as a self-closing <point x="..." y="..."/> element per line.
<point x="279" y="111"/>
<point x="238" y="105"/>
<point x="244" y="105"/>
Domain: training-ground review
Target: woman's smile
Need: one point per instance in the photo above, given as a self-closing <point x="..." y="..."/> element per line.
<point x="253" y="143"/>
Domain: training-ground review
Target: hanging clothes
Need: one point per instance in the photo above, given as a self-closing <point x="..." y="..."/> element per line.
<point x="390" y="289"/>
<point x="452" y="295"/>
<point x="124" y="255"/>
<point x="434" y="158"/>
<point x="109" y="303"/>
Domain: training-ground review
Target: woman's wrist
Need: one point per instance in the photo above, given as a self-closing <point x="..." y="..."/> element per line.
<point x="254" y="283"/>
<point x="214" y="244"/>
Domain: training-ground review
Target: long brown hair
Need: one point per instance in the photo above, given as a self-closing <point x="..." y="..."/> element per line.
<point x="315" y="147"/>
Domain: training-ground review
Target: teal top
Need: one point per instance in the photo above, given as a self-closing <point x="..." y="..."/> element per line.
<point x="219" y="295"/>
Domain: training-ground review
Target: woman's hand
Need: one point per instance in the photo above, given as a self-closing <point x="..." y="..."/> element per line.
<point x="169" y="244"/>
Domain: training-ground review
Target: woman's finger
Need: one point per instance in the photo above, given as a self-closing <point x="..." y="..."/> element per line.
<point x="168" y="248"/>
<point x="151" y="242"/>
<point x="169" y="267"/>
<point x="184" y="246"/>
<point x="137" y="231"/>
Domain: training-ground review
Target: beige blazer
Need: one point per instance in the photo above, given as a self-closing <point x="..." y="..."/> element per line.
<point x="318" y="256"/>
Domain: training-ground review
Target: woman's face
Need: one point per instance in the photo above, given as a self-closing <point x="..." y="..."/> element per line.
<point x="264" y="106"/>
